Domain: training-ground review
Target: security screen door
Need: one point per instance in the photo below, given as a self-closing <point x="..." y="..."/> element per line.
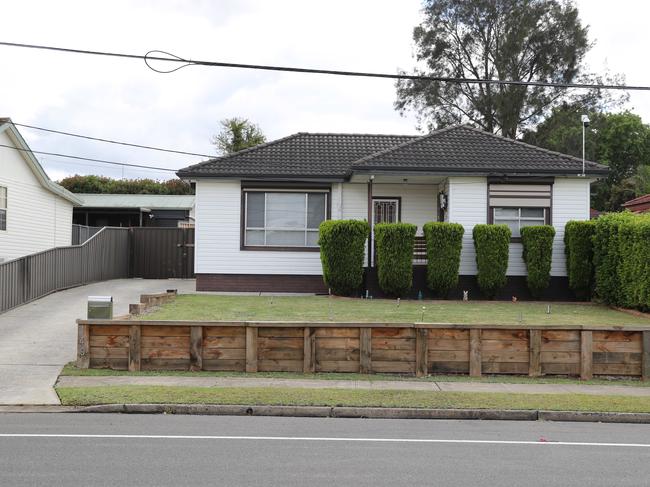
<point x="384" y="210"/>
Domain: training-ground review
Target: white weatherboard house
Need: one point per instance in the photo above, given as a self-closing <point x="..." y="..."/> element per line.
<point x="258" y="210"/>
<point x="35" y="213"/>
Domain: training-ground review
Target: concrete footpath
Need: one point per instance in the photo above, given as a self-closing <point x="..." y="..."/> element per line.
<point x="405" y="385"/>
<point x="39" y="338"/>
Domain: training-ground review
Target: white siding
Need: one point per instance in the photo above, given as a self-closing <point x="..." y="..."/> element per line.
<point x="37" y="219"/>
<point x="218" y="205"/>
<point x="570" y="202"/>
<point x="467" y="206"/>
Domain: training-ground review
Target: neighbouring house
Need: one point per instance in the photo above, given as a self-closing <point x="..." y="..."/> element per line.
<point x="638" y="205"/>
<point x="35" y="213"/>
<point x="258" y="210"/>
<point x="134" y="210"/>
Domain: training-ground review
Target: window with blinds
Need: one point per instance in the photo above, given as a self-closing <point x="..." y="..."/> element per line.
<point x="519" y="205"/>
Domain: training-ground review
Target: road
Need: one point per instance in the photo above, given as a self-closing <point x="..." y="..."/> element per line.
<point x="39" y="338"/>
<point x="166" y="450"/>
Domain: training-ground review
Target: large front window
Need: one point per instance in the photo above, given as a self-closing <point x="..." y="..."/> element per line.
<point x="283" y="218"/>
<point x="517" y="218"/>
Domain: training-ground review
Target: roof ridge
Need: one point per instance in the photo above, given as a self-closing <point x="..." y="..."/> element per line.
<point x="530" y="146"/>
<point x="405" y="144"/>
<point x="360" y="134"/>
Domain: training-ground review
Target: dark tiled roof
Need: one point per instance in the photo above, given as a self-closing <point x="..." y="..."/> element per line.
<point x="459" y="149"/>
<point x="638" y="201"/>
<point x="299" y="155"/>
<point x="466" y="149"/>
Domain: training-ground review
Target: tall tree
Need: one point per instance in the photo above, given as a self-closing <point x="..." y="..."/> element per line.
<point x="522" y="40"/>
<point x="237" y="134"/>
<point x="619" y="140"/>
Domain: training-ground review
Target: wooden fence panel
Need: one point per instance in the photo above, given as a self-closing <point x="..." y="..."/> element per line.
<point x="560" y="352"/>
<point x="448" y="351"/>
<point x="337" y="349"/>
<point x="393" y="350"/>
<point x="224" y="348"/>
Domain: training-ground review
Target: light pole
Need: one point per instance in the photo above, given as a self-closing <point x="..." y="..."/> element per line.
<point x="585" y="124"/>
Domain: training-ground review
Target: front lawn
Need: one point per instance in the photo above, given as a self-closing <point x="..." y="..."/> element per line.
<point x="323" y="308"/>
<point x="83" y="396"/>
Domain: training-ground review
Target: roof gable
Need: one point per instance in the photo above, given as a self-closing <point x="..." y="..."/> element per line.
<point x="7" y="126"/>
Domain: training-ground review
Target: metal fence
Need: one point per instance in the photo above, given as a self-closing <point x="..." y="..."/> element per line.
<point x="103" y="256"/>
<point x="81" y="233"/>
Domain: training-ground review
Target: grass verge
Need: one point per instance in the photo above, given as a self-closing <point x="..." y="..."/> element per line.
<point x="71" y="370"/>
<point x="323" y="308"/>
<point x="84" y="396"/>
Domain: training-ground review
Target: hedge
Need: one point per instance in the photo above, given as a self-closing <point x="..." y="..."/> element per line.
<point x="394" y="246"/>
<point x="444" y="242"/>
<point x="607" y="256"/>
<point x="634" y="268"/>
<point x="492" y="244"/>
<point x="342" y="245"/>
<point x="538" y="253"/>
<point x="578" y="248"/>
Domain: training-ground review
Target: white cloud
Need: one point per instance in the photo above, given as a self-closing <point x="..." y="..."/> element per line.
<point x="123" y="100"/>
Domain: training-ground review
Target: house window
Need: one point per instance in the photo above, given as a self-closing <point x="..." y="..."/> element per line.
<point x="3" y="208"/>
<point x="283" y="218"/>
<point x="517" y="218"/>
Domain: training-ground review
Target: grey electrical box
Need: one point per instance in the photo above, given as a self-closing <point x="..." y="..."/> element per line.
<point x="100" y="307"/>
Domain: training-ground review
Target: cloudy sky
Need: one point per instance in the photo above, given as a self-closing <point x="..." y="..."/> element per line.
<point x="121" y="99"/>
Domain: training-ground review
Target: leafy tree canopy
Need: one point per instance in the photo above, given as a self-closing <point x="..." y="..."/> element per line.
<point x="619" y="140"/>
<point x="104" y="185"/>
<point x="237" y="134"/>
<point x="522" y="40"/>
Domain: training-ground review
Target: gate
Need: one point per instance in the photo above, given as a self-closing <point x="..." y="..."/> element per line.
<point x="162" y="253"/>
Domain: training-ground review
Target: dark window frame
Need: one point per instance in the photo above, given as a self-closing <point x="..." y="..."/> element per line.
<point x="4" y="209"/>
<point x="277" y="188"/>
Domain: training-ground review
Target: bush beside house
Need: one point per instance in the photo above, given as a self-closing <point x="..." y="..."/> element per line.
<point x="578" y="248"/>
<point x="444" y="243"/>
<point x="394" y="256"/>
<point x="538" y="253"/>
<point x="491" y="243"/>
<point x="634" y="270"/>
<point x="342" y="245"/>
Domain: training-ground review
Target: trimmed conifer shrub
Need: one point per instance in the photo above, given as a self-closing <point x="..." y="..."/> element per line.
<point x="394" y="246"/>
<point x="342" y="245"/>
<point x="538" y="252"/>
<point x="444" y="242"/>
<point x="491" y="243"/>
<point x="579" y="251"/>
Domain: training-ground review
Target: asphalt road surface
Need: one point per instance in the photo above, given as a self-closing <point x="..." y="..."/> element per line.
<point x="162" y="450"/>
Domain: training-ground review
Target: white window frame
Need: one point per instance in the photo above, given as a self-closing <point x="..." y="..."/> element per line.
<point x="519" y="218"/>
<point x="4" y="203"/>
<point x="306" y="230"/>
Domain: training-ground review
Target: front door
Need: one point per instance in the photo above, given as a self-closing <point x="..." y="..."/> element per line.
<point x="384" y="210"/>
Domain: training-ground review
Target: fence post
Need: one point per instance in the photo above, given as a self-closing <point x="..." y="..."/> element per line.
<point x="475" y="352"/>
<point x="251" y="349"/>
<point x="365" y="350"/>
<point x="309" y="354"/>
<point x="586" y="355"/>
<point x="83" y="346"/>
<point x="645" y="361"/>
<point x="535" y="347"/>
<point x="421" y="352"/>
<point x="134" y="347"/>
<point x="196" y="348"/>
<point x="26" y="280"/>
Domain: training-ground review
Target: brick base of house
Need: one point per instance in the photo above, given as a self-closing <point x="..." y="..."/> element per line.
<point x="558" y="289"/>
<point x="279" y="283"/>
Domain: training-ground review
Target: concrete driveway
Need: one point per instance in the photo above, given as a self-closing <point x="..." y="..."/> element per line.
<point x="39" y="338"/>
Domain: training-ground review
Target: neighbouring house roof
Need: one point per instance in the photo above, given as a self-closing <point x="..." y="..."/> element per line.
<point x="640" y="204"/>
<point x="6" y="125"/>
<point x="454" y="150"/>
<point x="149" y="201"/>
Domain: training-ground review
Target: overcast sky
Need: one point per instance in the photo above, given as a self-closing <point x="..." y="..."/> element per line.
<point x="122" y="99"/>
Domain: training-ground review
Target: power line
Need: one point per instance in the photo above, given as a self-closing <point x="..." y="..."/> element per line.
<point x="442" y="79"/>
<point x="102" y="161"/>
<point x="110" y="141"/>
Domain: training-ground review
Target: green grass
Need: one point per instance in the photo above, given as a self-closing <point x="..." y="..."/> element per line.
<point x="83" y="396"/>
<point x="71" y="370"/>
<point x="323" y="308"/>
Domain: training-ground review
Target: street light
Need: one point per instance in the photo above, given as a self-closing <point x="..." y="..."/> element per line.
<point x="585" y="124"/>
